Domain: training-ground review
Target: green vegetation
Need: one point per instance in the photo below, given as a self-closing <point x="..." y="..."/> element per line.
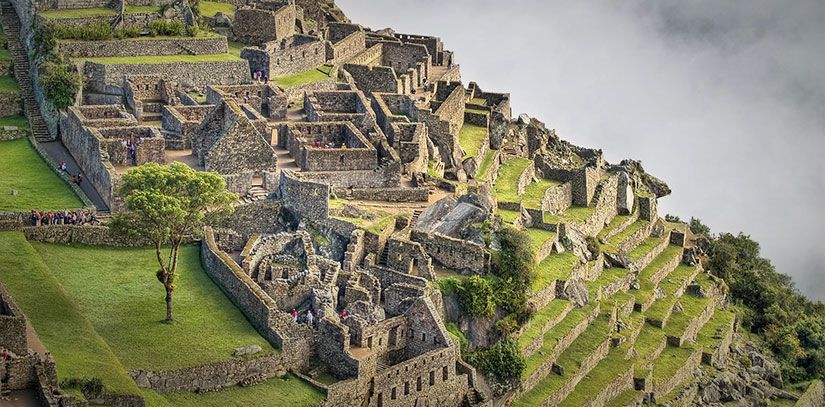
<point x="534" y="192"/>
<point x="303" y="78"/>
<point x="5" y="55"/>
<point x="483" y="171"/>
<point x="670" y="285"/>
<point x="163" y="59"/>
<point x="769" y="305"/>
<point x="506" y="185"/>
<point x="608" y="370"/>
<point x="573" y="214"/>
<point x="634" y="227"/>
<point x="551" y="338"/>
<point x="646" y="247"/>
<point x="286" y="391"/>
<point x="16" y="121"/>
<point x="711" y="333"/>
<point x="113" y="289"/>
<point x="172" y="28"/>
<point x="459" y="336"/>
<point x="551" y="311"/>
<point x="57" y="14"/>
<point x="555" y="267"/>
<point x="646" y="285"/>
<point x="509" y="216"/>
<point x="471" y="138"/>
<point x="77" y="348"/>
<point x="236" y="47"/>
<point x="617" y="221"/>
<point x="669" y="362"/>
<point x="61" y="83"/>
<point x="142" y="9"/>
<point x="37" y="186"/>
<point x="211" y="8"/>
<point x="475" y="294"/>
<point x="502" y="361"/>
<point x="8" y="84"/>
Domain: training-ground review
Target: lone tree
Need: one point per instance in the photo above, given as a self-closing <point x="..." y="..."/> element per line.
<point x="166" y="204"/>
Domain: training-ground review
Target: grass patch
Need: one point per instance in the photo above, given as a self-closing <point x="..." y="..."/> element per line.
<point x="8" y="84"/>
<point x="162" y="59"/>
<point x="22" y="169"/>
<point x="77" y="348"/>
<point x="57" y="14"/>
<point x="483" y="171"/>
<point x="236" y="47"/>
<point x="534" y="192"/>
<point x="645" y="247"/>
<point x="536" y="324"/>
<point x="16" y="121"/>
<point x="142" y="9"/>
<point x="557" y="266"/>
<point x="692" y="307"/>
<point x="478" y="111"/>
<point x="539" y="236"/>
<point x="509" y="216"/>
<point x="211" y="8"/>
<point x="116" y="290"/>
<point x="607" y="371"/>
<point x="506" y="185"/>
<point x="5" y="55"/>
<point x="302" y="78"/>
<point x="646" y="285"/>
<point x="669" y="362"/>
<point x="670" y="285"/>
<point x="551" y="338"/>
<point x="289" y="391"/>
<point x="471" y="138"/>
<point x="573" y="214"/>
<point x="614" y="224"/>
<point x="710" y="336"/>
<point x="634" y="227"/>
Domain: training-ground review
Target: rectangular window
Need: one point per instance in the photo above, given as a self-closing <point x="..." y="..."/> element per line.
<point x="432" y="377"/>
<point x="406" y="388"/>
<point x="445" y="373"/>
<point x="392" y="394"/>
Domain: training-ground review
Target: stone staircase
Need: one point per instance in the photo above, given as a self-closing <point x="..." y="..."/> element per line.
<point x="22" y="72"/>
<point x="382" y="260"/>
<point x="256" y="193"/>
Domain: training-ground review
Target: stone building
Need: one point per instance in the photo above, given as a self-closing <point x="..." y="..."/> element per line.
<point x="286" y="56"/>
<point x="278" y="16"/>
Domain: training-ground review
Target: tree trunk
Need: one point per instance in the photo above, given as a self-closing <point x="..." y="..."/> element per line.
<point x="168" y="304"/>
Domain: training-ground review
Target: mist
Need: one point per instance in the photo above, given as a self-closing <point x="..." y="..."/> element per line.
<point x="725" y="101"/>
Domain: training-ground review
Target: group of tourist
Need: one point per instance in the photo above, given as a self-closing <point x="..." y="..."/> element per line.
<point x="319" y="144"/>
<point x="308" y="318"/>
<point x="64" y="217"/>
<point x="259" y="76"/>
<point x="131" y="148"/>
<point x="77" y="179"/>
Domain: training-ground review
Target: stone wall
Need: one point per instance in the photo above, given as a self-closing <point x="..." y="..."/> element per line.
<point x="814" y="396"/>
<point x="13" y="334"/>
<point x="87" y="150"/>
<point x="13" y="133"/>
<point x="683" y="375"/>
<point x="81" y="234"/>
<point x="213" y="376"/>
<point x="400" y="194"/>
<point x="374" y="78"/>
<point x="340" y="49"/>
<point x="462" y="255"/>
<point x="144" y="46"/>
<point x="248" y="22"/>
<point x="304" y="198"/>
<point x="10" y="104"/>
<point x="290" y="55"/>
<point x="558" y="198"/>
<point x="186" y="73"/>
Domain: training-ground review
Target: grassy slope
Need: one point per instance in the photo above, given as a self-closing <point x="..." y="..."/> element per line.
<point x="471" y="138"/>
<point x="290" y="391"/>
<point x="37" y="186"/>
<point x="115" y="288"/>
<point x="486" y="164"/>
<point x="534" y="192"/>
<point x="8" y="84"/>
<point x="18" y="121"/>
<point x="302" y="78"/>
<point x="507" y="181"/>
<point x="78" y="350"/>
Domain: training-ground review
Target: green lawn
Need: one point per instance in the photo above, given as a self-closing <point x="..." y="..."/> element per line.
<point x="471" y="138"/>
<point x="551" y="338"/>
<point x="8" y="84"/>
<point x="5" y="55"/>
<point x="634" y="227"/>
<point x="116" y="290"/>
<point x="509" y="216"/>
<point x="77" y="348"/>
<point x="539" y="236"/>
<point x="142" y="9"/>
<point x="55" y="14"/>
<point x="22" y="169"/>
<point x="645" y="247"/>
<point x="302" y="78"/>
<point x="711" y="333"/>
<point x="614" y="223"/>
<point x="552" y="310"/>
<point x="487" y="161"/>
<point x="211" y="8"/>
<point x="573" y="214"/>
<point x="18" y="121"/>
<point x="236" y="47"/>
<point x="556" y="266"/>
<point x="534" y="192"/>
<point x="506" y="185"/>
<point x="290" y="391"/>
<point x="163" y="59"/>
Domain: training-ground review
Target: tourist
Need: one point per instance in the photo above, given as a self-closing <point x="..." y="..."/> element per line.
<point x="34" y="218"/>
<point x="7" y="357"/>
<point x="343" y="314"/>
<point x="294" y="315"/>
<point x="310" y="318"/>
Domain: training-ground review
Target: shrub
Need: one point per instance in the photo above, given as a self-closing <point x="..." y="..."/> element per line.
<point x="88" y="32"/>
<point x="515" y="261"/>
<point x="476" y="296"/>
<point x="503" y="361"/>
<point x="593" y="247"/>
<point x="60" y="82"/>
<point x="172" y="28"/>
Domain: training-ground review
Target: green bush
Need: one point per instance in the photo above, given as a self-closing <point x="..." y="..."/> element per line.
<point x="172" y="28"/>
<point x="60" y="82"/>
<point x="477" y="297"/>
<point x="503" y="361"/>
<point x="593" y="247"/>
<point x="88" y="32"/>
<point x="515" y="260"/>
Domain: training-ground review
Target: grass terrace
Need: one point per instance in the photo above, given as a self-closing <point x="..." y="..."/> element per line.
<point x="22" y="169"/>
<point x="235" y="47"/>
<point x="142" y="9"/>
<point x="57" y="14"/>
<point x="624" y="398"/>
<point x="8" y="84"/>
<point x="670" y="285"/>
<point x="551" y="338"/>
<point x="318" y="74"/>
<point x="16" y="121"/>
<point x="551" y="311"/>
<point x="115" y="289"/>
<point x="634" y="227"/>
<point x="212" y="8"/>
<point x="5" y="55"/>
<point x="377" y="225"/>
<point x="471" y="138"/>
<point x="539" y="236"/>
<point x="287" y="391"/>
<point x="710" y="336"/>
<point x="607" y="371"/>
<point x="649" y="339"/>
<point x="646" y="247"/>
<point x="483" y="171"/>
<point x="534" y="192"/>
<point x="76" y="347"/>
<point x="669" y="362"/>
<point x="692" y="307"/>
<point x="162" y="59"/>
<point x="506" y="185"/>
<point x="646" y="285"/>
<point x="608" y="276"/>
<point x="475" y="110"/>
<point x="556" y="266"/>
<point x="614" y="224"/>
<point x="573" y="214"/>
<point x="509" y="216"/>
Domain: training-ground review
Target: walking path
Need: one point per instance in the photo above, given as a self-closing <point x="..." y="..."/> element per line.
<point x="58" y="152"/>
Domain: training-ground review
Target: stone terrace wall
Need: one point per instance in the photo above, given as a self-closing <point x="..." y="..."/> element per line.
<point x="374" y="78"/>
<point x="186" y="73"/>
<point x="213" y="376"/>
<point x="461" y="255"/>
<point x="141" y="47"/>
<point x="87" y="150"/>
<point x="347" y="47"/>
<point x="10" y="104"/>
<point x="12" y="325"/>
<point x="684" y="374"/>
<point x="81" y="234"/>
<point x="305" y="198"/>
<point x="401" y="194"/>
